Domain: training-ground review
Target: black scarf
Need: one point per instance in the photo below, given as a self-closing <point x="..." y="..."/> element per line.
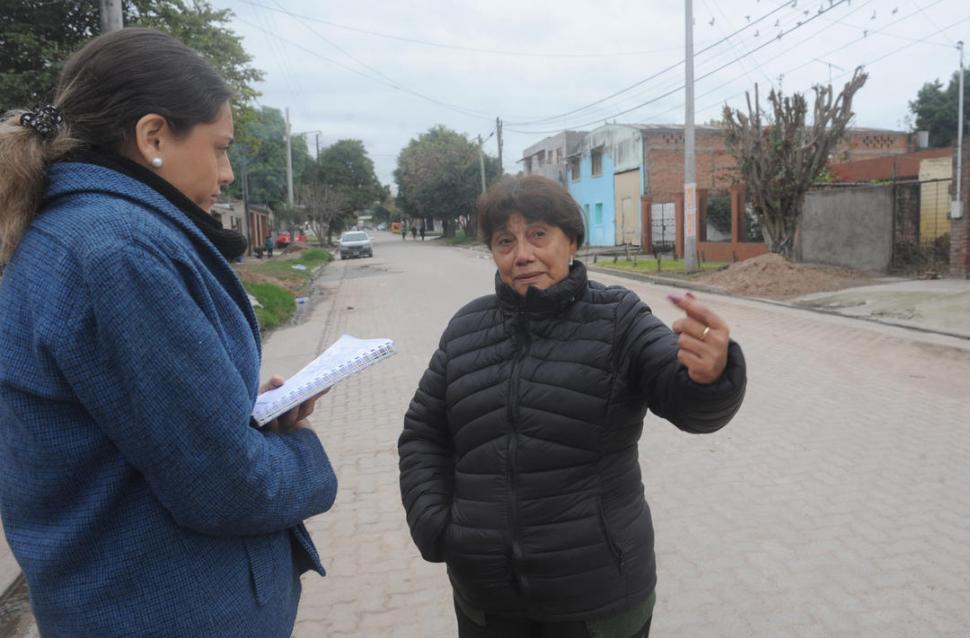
<point x="551" y="301"/>
<point x="230" y="243"/>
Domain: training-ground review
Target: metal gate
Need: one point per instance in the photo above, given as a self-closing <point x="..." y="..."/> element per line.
<point x="663" y="229"/>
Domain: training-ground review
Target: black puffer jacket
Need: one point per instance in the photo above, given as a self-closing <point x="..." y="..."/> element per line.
<point x="519" y="459"/>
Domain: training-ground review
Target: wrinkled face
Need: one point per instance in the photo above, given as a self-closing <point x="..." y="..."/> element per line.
<point x="198" y="163"/>
<point x="531" y="253"/>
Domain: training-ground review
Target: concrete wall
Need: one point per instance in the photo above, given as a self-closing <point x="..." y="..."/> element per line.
<point x="848" y="227"/>
<point x="548" y="157"/>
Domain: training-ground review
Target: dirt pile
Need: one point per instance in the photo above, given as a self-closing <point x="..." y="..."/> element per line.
<point x="772" y="276"/>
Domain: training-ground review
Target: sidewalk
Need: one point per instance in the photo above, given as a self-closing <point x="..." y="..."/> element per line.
<point x="940" y="306"/>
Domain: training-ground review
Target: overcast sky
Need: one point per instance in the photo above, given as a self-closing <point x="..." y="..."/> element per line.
<point x="385" y="71"/>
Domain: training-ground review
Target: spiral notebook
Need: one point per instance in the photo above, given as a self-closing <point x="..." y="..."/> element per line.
<point x="347" y="356"/>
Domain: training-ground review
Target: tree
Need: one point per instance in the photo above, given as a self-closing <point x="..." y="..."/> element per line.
<point x="779" y="155"/>
<point x="936" y="109"/>
<point x="37" y="37"/>
<point x="348" y="171"/>
<point x="260" y="148"/>
<point x="438" y="175"/>
<point x="321" y="204"/>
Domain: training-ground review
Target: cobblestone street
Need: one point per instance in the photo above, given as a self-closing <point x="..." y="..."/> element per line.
<point x="837" y="503"/>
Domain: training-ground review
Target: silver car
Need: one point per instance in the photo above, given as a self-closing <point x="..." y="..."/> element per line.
<point x="355" y="243"/>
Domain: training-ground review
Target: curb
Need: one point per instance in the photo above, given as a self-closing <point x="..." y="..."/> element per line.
<point x="677" y="283"/>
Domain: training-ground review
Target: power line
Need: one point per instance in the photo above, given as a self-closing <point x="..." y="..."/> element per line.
<point x="706" y="75"/>
<point x="865" y="64"/>
<point x="655" y="75"/>
<point x="458" y="109"/>
<point x="459" y="47"/>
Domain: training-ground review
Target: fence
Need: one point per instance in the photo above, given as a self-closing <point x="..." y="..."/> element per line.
<point x="921" y="226"/>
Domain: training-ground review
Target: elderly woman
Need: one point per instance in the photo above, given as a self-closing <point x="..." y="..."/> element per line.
<point x="518" y="459"/>
<point x="136" y="495"/>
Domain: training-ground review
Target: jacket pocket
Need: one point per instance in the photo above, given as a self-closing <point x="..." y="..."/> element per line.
<point x="608" y="536"/>
<point x="265" y="563"/>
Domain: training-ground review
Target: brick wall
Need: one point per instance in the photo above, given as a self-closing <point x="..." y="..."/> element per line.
<point x="960" y="228"/>
<point x="715" y="166"/>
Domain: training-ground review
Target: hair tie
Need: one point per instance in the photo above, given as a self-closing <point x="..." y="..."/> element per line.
<point x="44" y="119"/>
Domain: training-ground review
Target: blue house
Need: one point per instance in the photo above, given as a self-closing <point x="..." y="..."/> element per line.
<point x="605" y="177"/>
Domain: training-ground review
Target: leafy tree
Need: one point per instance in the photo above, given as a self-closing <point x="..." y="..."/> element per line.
<point x="321" y="205"/>
<point x="438" y="175"/>
<point x="259" y="157"/>
<point x="936" y="109"/>
<point x="37" y="36"/>
<point x="779" y="155"/>
<point x="346" y="169"/>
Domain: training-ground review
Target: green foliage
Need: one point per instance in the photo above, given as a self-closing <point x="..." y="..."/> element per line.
<point x="277" y="304"/>
<point x="718" y="212"/>
<point x="346" y="169"/>
<point x="647" y="264"/>
<point x="936" y="109"/>
<point x="37" y="36"/>
<point x="438" y="175"/>
<point x="259" y="158"/>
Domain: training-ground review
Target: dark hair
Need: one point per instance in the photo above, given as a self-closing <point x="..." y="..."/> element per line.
<point x="536" y="198"/>
<point x="119" y="77"/>
<point x="103" y="90"/>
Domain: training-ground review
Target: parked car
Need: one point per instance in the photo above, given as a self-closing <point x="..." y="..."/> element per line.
<point x="283" y="239"/>
<point x="355" y="243"/>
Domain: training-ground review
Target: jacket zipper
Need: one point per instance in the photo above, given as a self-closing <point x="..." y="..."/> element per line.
<point x="518" y="579"/>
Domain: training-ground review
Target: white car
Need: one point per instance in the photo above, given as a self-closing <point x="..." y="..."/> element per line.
<point x="355" y="243"/>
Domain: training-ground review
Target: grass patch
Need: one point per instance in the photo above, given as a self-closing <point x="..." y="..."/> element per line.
<point x="281" y="268"/>
<point x="461" y="238"/>
<point x="278" y="304"/>
<point x="648" y="264"/>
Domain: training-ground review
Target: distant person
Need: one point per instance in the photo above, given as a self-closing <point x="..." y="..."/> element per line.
<point x="422" y="231"/>
<point x="414" y="231"/>
<point x="268" y="245"/>
<point x="137" y="496"/>
<point x="518" y="461"/>
<point x="404" y="231"/>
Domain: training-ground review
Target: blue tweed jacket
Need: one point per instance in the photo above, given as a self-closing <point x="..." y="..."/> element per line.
<point x="134" y="493"/>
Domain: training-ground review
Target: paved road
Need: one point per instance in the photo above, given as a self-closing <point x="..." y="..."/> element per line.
<point x="837" y="503"/>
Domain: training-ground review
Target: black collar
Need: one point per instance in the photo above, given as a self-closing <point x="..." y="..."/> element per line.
<point x="230" y="243"/>
<point x="551" y="301"/>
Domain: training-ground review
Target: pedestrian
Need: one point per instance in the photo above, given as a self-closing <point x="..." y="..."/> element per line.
<point x="422" y="230"/>
<point x="268" y="245"/>
<point x="518" y="459"/>
<point x="414" y="231"/>
<point x="136" y="494"/>
<point x="404" y="231"/>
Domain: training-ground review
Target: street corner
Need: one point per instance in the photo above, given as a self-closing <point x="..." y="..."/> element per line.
<point x="941" y="306"/>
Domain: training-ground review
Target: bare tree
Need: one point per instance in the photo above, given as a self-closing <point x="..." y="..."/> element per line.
<point x="779" y="155"/>
<point x="322" y="205"/>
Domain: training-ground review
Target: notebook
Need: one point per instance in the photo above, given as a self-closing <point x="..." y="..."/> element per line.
<point x="347" y="356"/>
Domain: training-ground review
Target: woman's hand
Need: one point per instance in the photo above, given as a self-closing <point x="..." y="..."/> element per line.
<point x="295" y="417"/>
<point x="703" y="342"/>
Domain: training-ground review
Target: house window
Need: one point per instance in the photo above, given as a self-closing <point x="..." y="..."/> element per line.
<point x="528" y="166"/>
<point x="541" y="158"/>
<point x="574" y="169"/>
<point x="558" y="156"/>
<point x="599" y="213"/>
<point x="597" y="156"/>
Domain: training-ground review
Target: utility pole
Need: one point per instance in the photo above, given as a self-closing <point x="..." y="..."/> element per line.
<point x="111" y="19"/>
<point x="956" y="208"/>
<point x="498" y="132"/>
<point x="481" y="160"/>
<point x="289" y="163"/>
<point x="690" y="179"/>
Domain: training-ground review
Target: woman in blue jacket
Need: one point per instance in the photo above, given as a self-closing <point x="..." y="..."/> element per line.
<point x="136" y="495"/>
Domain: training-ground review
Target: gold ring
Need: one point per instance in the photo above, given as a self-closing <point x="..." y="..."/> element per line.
<point x="704" y="334"/>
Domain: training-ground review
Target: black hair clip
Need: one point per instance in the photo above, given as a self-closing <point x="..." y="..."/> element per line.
<point x="44" y="119"/>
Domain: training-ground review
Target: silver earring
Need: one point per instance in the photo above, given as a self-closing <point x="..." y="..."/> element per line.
<point x="157" y="162"/>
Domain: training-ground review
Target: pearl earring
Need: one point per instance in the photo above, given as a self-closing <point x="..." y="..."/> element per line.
<point x="157" y="162"/>
<point x="570" y="260"/>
